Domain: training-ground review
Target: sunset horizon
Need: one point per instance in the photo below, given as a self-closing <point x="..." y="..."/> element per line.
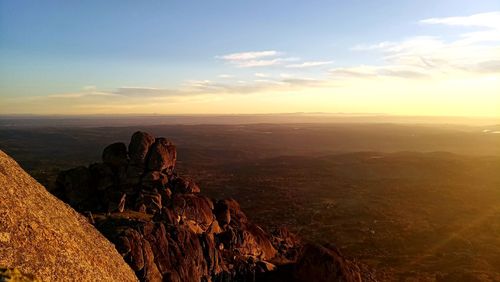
<point x="425" y="59"/>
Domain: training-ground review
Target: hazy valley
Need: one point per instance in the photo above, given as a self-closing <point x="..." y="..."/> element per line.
<point x="409" y="201"/>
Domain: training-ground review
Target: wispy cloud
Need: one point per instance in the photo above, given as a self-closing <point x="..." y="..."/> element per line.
<point x="470" y="52"/>
<point x="490" y="20"/>
<point x="256" y="59"/>
<point x="259" y="74"/>
<point x="248" y="87"/>
<point x="377" y="71"/>
<point x="310" y="64"/>
<point x="87" y="91"/>
<point x="246" y="56"/>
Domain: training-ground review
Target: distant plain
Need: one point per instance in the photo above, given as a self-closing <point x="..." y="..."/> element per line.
<point x="416" y="201"/>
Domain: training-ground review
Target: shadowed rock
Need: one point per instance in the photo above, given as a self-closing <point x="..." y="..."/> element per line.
<point x="162" y="155"/>
<point x="115" y="155"/>
<point x="139" y="146"/>
<point x="182" y="185"/>
<point x="74" y="186"/>
<point x="327" y="264"/>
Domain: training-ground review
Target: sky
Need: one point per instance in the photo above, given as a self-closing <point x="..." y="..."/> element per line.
<point x="429" y="58"/>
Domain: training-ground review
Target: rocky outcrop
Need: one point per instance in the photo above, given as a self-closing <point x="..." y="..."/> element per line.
<point x="42" y="236"/>
<point x="326" y="263"/>
<point x="166" y="230"/>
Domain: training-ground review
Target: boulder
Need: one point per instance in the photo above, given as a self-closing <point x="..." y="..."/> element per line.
<point x="102" y="176"/>
<point x="286" y="243"/>
<point x="74" y="186"/>
<point x="149" y="202"/>
<point x="150" y="271"/>
<point x="116" y="201"/>
<point x="250" y="240"/>
<point x="139" y="146"/>
<point x="184" y="185"/>
<point x="133" y="174"/>
<point x="162" y="155"/>
<point x="324" y="264"/>
<point x="115" y="155"/>
<point x="194" y="208"/>
<point x="222" y="213"/>
<point x="154" y="179"/>
<point x="236" y="216"/>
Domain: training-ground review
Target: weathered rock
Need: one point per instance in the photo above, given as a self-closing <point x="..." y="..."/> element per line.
<point x="157" y="236"/>
<point x="248" y="241"/>
<point x="286" y="243"/>
<point x="139" y="146"/>
<point x="162" y="155"/>
<point x="154" y="179"/>
<point x="264" y="266"/>
<point x="116" y="201"/>
<point x="102" y="176"/>
<point x="134" y="255"/>
<point x="150" y="271"/>
<point x="323" y="264"/>
<point x="115" y="155"/>
<point x="222" y="213"/>
<point x="194" y="209"/>
<point x="211" y="253"/>
<point x="133" y="174"/>
<point x="42" y="236"/>
<point x="74" y="184"/>
<point x="184" y="185"/>
<point x="237" y="217"/>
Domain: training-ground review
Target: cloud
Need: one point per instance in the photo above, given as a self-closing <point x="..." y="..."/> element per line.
<point x="146" y="92"/>
<point x="259" y="74"/>
<point x="125" y="92"/>
<point x="87" y="91"/>
<point x="454" y="60"/>
<point x="256" y="59"/>
<point x="246" y="56"/>
<point x="490" y="20"/>
<point x="267" y="58"/>
<point x="492" y="66"/>
<point x="432" y="56"/>
<point x="378" y="71"/>
<point x="310" y="64"/>
<point x="244" y="87"/>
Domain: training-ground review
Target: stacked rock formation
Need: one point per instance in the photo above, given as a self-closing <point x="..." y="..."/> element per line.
<point x="167" y="231"/>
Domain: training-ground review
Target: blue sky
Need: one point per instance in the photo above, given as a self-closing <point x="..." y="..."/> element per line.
<point x="63" y="47"/>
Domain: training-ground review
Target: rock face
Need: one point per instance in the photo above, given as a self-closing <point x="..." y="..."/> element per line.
<point x="42" y="236"/>
<point x="14" y="275"/>
<point x="166" y="230"/>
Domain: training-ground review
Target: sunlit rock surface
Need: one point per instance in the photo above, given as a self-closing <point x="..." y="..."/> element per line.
<point x="46" y="238"/>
